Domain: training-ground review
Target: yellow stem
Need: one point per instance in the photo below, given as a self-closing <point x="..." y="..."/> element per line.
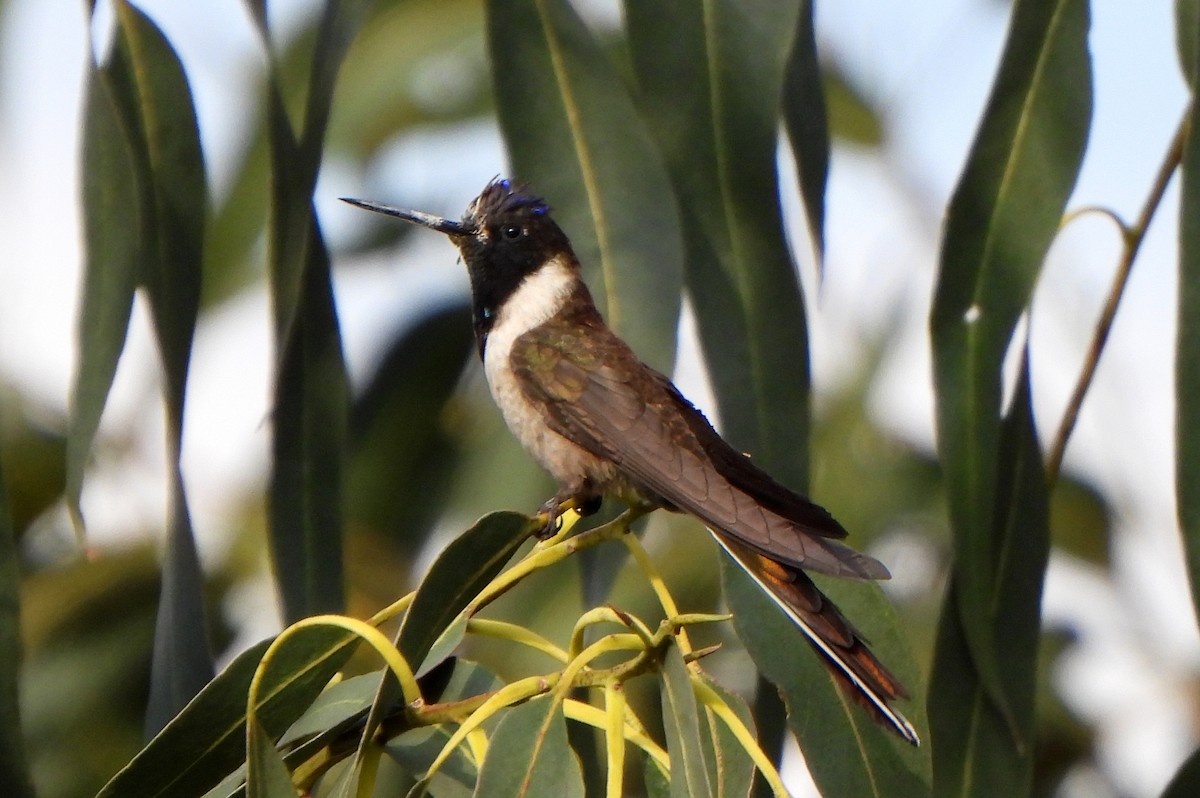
<point x="614" y="736"/>
<point x="658" y="584"/>
<point x="504" y="630"/>
<point x="715" y="704"/>
<point x="633" y="732"/>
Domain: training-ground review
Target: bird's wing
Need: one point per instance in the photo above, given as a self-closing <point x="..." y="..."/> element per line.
<point x="603" y="398"/>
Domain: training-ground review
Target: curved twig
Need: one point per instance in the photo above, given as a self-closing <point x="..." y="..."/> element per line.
<point x="1133" y="236"/>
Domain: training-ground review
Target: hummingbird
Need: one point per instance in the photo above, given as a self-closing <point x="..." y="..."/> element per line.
<point x="606" y="425"/>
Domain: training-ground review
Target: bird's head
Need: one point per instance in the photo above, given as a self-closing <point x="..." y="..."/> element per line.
<point x="506" y="235"/>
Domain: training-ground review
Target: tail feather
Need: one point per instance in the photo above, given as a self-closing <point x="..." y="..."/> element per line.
<point x="858" y="672"/>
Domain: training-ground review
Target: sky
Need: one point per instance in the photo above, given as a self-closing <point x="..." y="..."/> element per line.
<point x="926" y="64"/>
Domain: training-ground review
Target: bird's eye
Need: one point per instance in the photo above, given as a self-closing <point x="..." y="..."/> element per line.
<point x="511" y="231"/>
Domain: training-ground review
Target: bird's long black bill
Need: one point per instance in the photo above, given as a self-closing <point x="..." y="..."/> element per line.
<point x="442" y="225"/>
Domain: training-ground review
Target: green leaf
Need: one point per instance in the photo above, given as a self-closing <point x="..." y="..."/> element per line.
<point x="442" y="648"/>
<point x="357" y="778"/>
<point x="335" y="705"/>
<point x="463" y="569"/>
<point x="711" y="84"/>
<point x="573" y="133"/>
<point x="846" y="751"/>
<point x="658" y="783"/>
<point x="296" y="156"/>
<point x="416" y="750"/>
<point x="1187" y="34"/>
<point x="469" y="679"/>
<point x="208" y="739"/>
<point x="153" y="96"/>
<point x="1001" y="220"/>
<point x="232" y="260"/>
<point x="311" y="392"/>
<point x="459" y="573"/>
<point x="113" y="228"/>
<point x="771" y="722"/>
<point x="731" y="770"/>
<point x="976" y="752"/>
<point x="14" y="773"/>
<point x="1187" y="356"/>
<point x="268" y="776"/>
<point x="690" y="769"/>
<point x="805" y="119"/>
<point x="529" y="755"/>
<point x="150" y="82"/>
<point x="311" y="408"/>
<point x="182" y="662"/>
<point x="337" y="715"/>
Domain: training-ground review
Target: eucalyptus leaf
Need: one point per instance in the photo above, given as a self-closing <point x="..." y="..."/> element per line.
<point x="113" y="228"/>
<point x="710" y="78"/>
<point x="150" y="82"/>
<point x="1187" y="35"/>
<point x="459" y="573"/>
<point x="311" y="398"/>
<point x="1187" y="356"/>
<point x="433" y="623"/>
<point x="1002" y="217"/>
<point x="208" y="738"/>
<point x="731" y="770"/>
<point x="311" y="403"/>
<point x="658" y="783"/>
<point x="690" y="768"/>
<point x="804" y="117"/>
<point x="333" y="706"/>
<point x="267" y="777"/>
<point x="155" y="100"/>
<point x="182" y="662"/>
<point x="296" y="152"/>
<point x="977" y="752"/>
<point x="573" y="133"/>
<point x="529" y="755"/>
<point x="416" y="750"/>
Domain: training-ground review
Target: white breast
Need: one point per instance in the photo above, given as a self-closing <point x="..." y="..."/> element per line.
<point x="535" y="301"/>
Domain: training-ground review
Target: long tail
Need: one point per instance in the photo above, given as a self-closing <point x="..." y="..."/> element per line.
<point x="858" y="672"/>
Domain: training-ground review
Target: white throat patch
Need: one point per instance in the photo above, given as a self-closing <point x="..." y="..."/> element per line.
<point x="536" y="300"/>
<point x="539" y="296"/>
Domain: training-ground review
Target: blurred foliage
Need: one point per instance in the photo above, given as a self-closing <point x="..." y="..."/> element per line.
<point x="32" y="459"/>
<point x="851" y="116"/>
<point x="14" y="769"/>
<point x="426" y="453"/>
<point x="90" y="625"/>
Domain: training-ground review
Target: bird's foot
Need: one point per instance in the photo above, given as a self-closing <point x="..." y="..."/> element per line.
<point x="554" y="507"/>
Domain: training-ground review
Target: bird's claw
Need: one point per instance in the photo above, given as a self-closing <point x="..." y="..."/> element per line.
<point x="554" y="508"/>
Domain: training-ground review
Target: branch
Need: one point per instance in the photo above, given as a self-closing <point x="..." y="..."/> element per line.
<point x="1133" y="237"/>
